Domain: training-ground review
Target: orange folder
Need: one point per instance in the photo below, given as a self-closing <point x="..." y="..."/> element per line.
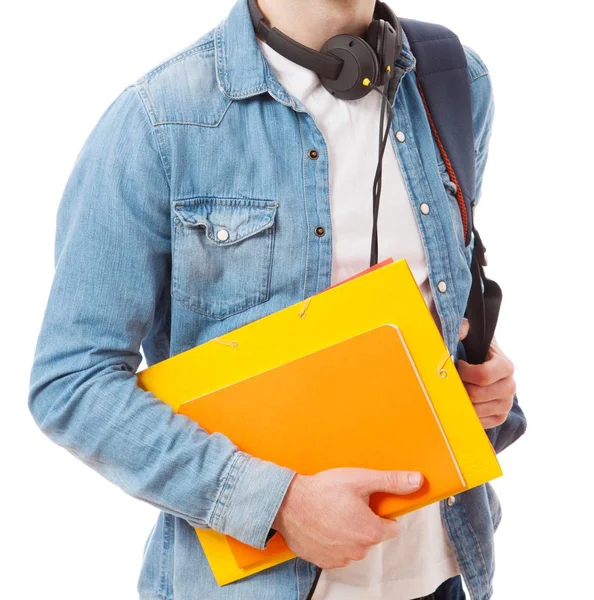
<point x="357" y="403"/>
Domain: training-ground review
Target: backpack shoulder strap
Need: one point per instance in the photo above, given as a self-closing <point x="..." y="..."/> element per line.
<point x="444" y="86"/>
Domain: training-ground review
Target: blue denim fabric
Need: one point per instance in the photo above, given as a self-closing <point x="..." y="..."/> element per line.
<point x="209" y="139"/>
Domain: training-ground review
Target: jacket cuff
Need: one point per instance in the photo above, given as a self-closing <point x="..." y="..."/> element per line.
<point x="250" y="498"/>
<point x="510" y="430"/>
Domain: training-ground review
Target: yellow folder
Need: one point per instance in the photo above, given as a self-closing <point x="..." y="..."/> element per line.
<point x="384" y="309"/>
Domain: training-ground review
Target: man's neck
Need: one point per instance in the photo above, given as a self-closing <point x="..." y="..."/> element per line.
<point x="312" y="22"/>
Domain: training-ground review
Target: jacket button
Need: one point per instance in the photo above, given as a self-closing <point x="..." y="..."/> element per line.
<point x="320" y="231"/>
<point x="442" y="287"/>
<point x="424" y="208"/>
<point x="400" y="136"/>
<point x="313" y="154"/>
<point x="222" y="234"/>
<point x="451" y="501"/>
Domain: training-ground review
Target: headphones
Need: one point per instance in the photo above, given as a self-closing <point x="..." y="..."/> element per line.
<point x="347" y="65"/>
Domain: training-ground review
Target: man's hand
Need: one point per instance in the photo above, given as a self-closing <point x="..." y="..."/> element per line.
<point x="326" y="519"/>
<point x="490" y="385"/>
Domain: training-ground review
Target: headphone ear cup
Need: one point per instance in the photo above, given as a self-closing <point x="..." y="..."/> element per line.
<point x="360" y="61"/>
<point x="372" y="35"/>
<point x="384" y="39"/>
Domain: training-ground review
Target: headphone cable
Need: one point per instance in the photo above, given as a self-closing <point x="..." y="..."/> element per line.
<point x="377" y="181"/>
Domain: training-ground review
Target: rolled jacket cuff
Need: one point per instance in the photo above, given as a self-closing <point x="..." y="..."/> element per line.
<point x="250" y="498"/>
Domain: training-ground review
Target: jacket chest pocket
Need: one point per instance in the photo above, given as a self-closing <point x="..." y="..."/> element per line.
<point x="222" y="253"/>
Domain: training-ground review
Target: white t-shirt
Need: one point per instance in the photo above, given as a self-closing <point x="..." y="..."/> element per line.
<point x="420" y="558"/>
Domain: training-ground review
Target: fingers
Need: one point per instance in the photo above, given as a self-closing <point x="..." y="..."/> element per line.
<point x="391" y="482"/>
<point x="504" y="388"/>
<point x="389" y="529"/>
<point x="490" y="422"/>
<point x="379" y="530"/>
<point x="490" y="386"/>
<point x="375" y="531"/>
<point x="495" y="368"/>
<point x="495" y="408"/>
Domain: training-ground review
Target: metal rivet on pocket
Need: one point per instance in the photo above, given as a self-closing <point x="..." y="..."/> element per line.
<point x="222" y="234"/>
<point x="320" y="231"/>
<point x="451" y="501"/>
<point x="313" y="154"/>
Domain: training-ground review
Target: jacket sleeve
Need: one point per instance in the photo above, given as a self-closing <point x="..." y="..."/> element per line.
<point x="112" y="262"/>
<point x="482" y="114"/>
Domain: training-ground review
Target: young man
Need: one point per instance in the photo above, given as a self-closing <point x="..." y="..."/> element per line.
<point x="166" y="238"/>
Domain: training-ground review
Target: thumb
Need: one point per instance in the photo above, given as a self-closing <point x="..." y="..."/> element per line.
<point x="391" y="482"/>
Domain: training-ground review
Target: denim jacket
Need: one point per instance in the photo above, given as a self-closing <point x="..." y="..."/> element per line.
<point x="206" y="139"/>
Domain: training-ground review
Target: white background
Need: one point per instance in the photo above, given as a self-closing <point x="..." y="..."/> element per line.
<point x="69" y="534"/>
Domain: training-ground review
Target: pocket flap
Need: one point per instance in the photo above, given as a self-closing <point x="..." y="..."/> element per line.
<point x="226" y="220"/>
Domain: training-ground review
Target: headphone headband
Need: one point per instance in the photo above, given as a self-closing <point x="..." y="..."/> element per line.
<point x="325" y="64"/>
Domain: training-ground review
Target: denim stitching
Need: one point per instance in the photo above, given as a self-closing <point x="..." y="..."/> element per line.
<point x="476" y="58"/>
<point x="195" y="122"/>
<point x="164" y="163"/>
<point x="473" y="79"/>
<point x="305" y="204"/>
<point x="450" y="189"/>
<point x="219" y="61"/>
<point x="272" y="245"/>
<point x="406" y="176"/>
<point x="440" y="230"/>
<point x="178" y="295"/>
<point x="216" y="516"/>
<point x="247" y="201"/>
<point x="204" y="47"/>
<point x="472" y="532"/>
<point x="165" y="552"/>
<point x="188" y="300"/>
<point x="222" y="72"/>
<point x="327" y="182"/>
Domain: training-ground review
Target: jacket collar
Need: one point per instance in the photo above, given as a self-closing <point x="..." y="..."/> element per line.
<point x="242" y="70"/>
